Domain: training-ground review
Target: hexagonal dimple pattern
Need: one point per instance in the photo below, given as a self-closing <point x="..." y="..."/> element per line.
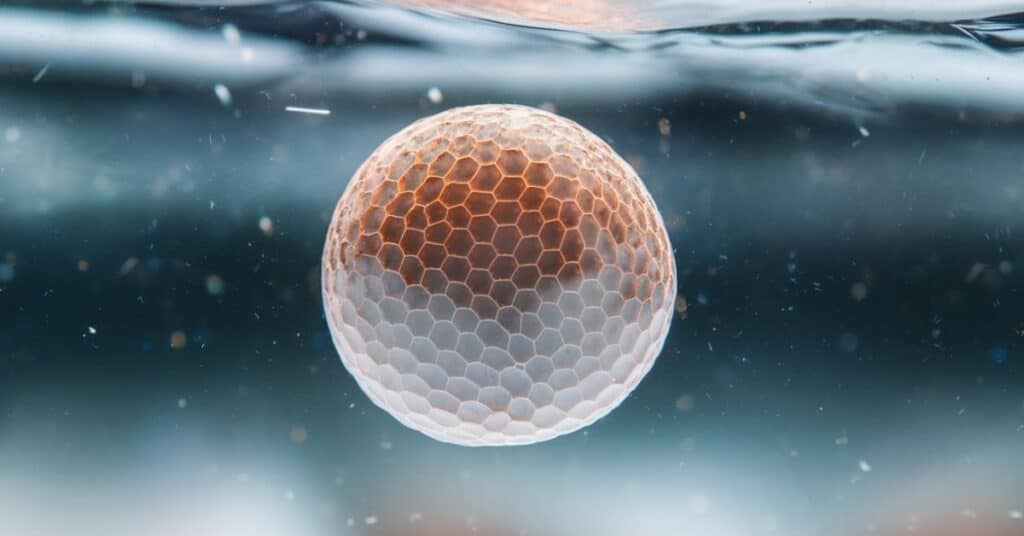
<point x="497" y="275"/>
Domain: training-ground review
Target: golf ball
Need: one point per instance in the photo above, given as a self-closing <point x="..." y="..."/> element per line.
<point x="497" y="275"/>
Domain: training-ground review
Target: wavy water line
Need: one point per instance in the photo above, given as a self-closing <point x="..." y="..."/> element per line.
<point x="853" y="68"/>
<point x="645" y="16"/>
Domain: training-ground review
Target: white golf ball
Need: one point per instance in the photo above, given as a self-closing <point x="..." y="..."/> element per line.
<point x="497" y="275"/>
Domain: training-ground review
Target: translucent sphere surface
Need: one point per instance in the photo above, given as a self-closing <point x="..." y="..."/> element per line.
<point x="497" y="275"/>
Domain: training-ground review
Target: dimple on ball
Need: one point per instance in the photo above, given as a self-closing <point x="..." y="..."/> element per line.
<point x="497" y="275"/>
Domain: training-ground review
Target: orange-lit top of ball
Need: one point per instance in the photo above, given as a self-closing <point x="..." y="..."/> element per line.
<point x="497" y="275"/>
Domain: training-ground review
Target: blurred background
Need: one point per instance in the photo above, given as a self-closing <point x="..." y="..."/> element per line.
<point x="843" y="184"/>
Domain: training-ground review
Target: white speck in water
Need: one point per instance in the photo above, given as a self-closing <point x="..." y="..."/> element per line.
<point x="128" y="265"/>
<point x="182" y="403"/>
<point x="864" y="466"/>
<point x="223" y="94"/>
<point x="842" y="440"/>
<point x="385" y="445"/>
<point x="1016" y="514"/>
<point x="864" y="131"/>
<point x="267" y="226"/>
<point x="434" y="95"/>
<point x="92" y="330"/>
<point x="415" y="516"/>
<point x="289" y="494"/>
<point x="231" y="34"/>
<point x="42" y="72"/>
<point x="370" y="520"/>
<point x="311" y="111"/>
<point x="214" y="285"/>
<point x="12" y="134"/>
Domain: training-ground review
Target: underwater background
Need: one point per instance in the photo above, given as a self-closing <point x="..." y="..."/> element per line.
<point x="843" y="185"/>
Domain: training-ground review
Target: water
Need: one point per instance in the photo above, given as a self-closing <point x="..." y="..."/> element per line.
<point x="842" y="186"/>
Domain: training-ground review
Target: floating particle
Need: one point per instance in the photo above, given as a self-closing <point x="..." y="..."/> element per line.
<point x="223" y="94"/>
<point x="214" y="285"/>
<point x="434" y="95"/>
<point x="178" y="340"/>
<point x="681" y="306"/>
<point x="39" y="75"/>
<point x="299" y="434"/>
<point x="685" y="403"/>
<point x="266" y="225"/>
<point x="12" y="134"/>
<point x="1016" y="514"/>
<point x="858" y="291"/>
<point x="91" y="330"/>
<point x="231" y="34"/>
<point x="864" y="466"/>
<point x="182" y="403"/>
<point x="82" y="265"/>
<point x="864" y="131"/>
<point x="488" y="285"/>
<point x="370" y="520"/>
<point x="128" y="265"/>
<point x="289" y="495"/>
<point x="842" y="440"/>
<point x="742" y="115"/>
<point x="312" y="111"/>
<point x="664" y="127"/>
<point x="1005" y="267"/>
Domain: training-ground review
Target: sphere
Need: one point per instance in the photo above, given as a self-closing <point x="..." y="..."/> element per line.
<point x="497" y="275"/>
